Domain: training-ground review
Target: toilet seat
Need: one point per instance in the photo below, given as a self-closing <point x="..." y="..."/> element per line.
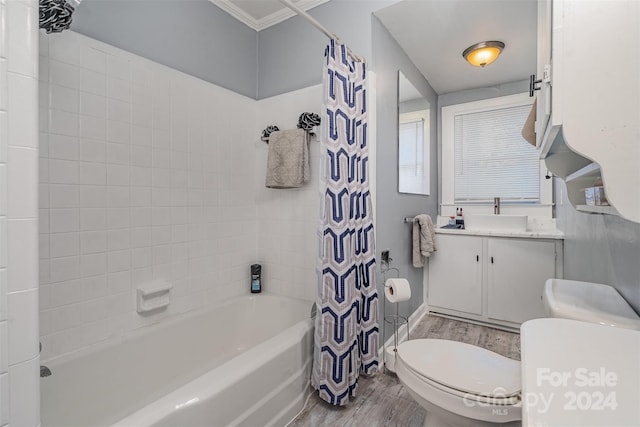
<point x="463" y="369"/>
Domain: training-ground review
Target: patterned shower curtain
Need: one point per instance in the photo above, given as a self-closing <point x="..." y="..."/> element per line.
<point x="346" y="334"/>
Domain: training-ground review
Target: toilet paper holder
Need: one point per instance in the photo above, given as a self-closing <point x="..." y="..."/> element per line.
<point x="395" y="320"/>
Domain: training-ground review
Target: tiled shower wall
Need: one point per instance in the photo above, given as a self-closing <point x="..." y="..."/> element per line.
<point x="146" y="174"/>
<point x="19" y="361"/>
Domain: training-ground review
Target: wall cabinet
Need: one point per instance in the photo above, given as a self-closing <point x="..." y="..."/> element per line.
<point x="492" y="280"/>
<point x="588" y="107"/>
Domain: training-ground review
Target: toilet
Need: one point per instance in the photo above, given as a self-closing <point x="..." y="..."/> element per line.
<point x="460" y="385"/>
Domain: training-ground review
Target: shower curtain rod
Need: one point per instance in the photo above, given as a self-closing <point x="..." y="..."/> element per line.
<point x="318" y="25"/>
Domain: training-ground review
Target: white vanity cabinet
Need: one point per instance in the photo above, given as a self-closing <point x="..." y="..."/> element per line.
<point x="495" y="280"/>
<point x="588" y="112"/>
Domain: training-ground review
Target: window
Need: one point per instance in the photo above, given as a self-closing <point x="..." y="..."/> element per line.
<point x="484" y="155"/>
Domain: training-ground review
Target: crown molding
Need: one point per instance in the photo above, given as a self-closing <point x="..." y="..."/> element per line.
<point x="269" y="20"/>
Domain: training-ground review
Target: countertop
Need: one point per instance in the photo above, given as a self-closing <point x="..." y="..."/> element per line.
<point x="533" y="234"/>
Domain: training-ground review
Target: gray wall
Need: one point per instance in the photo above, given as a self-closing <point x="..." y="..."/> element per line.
<point x="599" y="248"/>
<point x="291" y="54"/>
<point x="392" y="207"/>
<point x="192" y="36"/>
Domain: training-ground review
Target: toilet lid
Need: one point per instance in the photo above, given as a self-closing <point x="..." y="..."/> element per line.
<point x="463" y="367"/>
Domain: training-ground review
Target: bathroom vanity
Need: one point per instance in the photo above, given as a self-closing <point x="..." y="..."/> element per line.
<point x="492" y="277"/>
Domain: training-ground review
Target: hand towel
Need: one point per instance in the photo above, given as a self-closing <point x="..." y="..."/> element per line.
<point x="424" y="239"/>
<point x="288" y="159"/>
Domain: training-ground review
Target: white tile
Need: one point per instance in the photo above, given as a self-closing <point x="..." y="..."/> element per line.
<point x="119" y="89"/>
<point x="43" y="246"/>
<point x="141" y="237"/>
<point x="65" y="47"/>
<point x="63" y="196"/>
<point x="161" y="158"/>
<point x="64" y="74"/>
<point x="141" y="135"/>
<point x="63" y="171"/>
<point x="3" y="189"/>
<point x="141" y="257"/>
<point x="3" y="294"/>
<point x="22" y="104"/>
<point x="161" y="139"/>
<point x="93" y="264"/>
<point x="93" y="128"/>
<point x="22" y="37"/>
<point x="119" y="282"/>
<point x="92" y="219"/>
<point x="44" y="220"/>
<point x="93" y="59"/>
<point x="93" y="150"/>
<point x="118" y="218"/>
<point x="4" y="84"/>
<point x="63" y="147"/>
<point x="119" y="110"/>
<point x="93" y="173"/>
<point x="66" y="317"/>
<point x="118" y="175"/>
<point x="4" y="353"/>
<point x="118" y="153"/>
<point x="140" y="156"/>
<point x="64" y="269"/>
<point x="140" y="176"/>
<point x="118" y="239"/>
<point x="93" y="196"/>
<point x="4" y="403"/>
<point x="118" y="132"/>
<point x="4" y="134"/>
<point x="64" y="98"/>
<point x="161" y="177"/>
<point x="93" y="105"/>
<point x="140" y="216"/>
<point x="23" y="325"/>
<point x="95" y="287"/>
<point x="118" y="261"/>
<point x="93" y="242"/>
<point x="24" y="386"/>
<point x="142" y="115"/>
<point x="64" y="123"/>
<point x="22" y="256"/>
<point x="93" y="82"/>
<point x="64" y="244"/>
<point x="119" y="67"/>
<point x="68" y="292"/>
<point x="22" y="182"/>
<point x="3" y="49"/>
<point x="63" y="220"/>
<point x="118" y="197"/>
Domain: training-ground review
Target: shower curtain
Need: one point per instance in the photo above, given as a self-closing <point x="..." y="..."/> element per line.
<point x="346" y="334"/>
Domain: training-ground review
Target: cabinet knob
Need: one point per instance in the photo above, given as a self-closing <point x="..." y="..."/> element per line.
<point x="491" y="260"/>
<point x="477" y="258"/>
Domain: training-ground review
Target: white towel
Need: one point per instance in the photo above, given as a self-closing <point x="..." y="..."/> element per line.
<point x="424" y="239"/>
<point x="288" y="159"/>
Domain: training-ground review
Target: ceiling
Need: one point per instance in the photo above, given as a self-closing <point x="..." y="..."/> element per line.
<point x="434" y="33"/>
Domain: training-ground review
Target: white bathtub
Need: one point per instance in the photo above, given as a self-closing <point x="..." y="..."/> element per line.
<point x="245" y="362"/>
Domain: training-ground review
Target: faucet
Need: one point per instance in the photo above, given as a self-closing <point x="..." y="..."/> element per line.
<point x="496" y="205"/>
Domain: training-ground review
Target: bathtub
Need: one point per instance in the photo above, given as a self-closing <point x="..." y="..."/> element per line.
<point x="244" y="362"/>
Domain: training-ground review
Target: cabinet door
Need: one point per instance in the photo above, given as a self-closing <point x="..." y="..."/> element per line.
<point x="455" y="274"/>
<point x="517" y="271"/>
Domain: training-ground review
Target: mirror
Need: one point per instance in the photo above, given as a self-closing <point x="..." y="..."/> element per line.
<point x="413" y="139"/>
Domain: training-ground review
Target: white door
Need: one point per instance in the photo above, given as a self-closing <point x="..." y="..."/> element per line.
<point x="455" y="274"/>
<point x="517" y="271"/>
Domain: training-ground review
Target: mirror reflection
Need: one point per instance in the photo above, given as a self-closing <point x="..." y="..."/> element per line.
<point x="413" y="139"/>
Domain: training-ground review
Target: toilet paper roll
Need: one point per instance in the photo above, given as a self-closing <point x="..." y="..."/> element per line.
<point x="397" y="290"/>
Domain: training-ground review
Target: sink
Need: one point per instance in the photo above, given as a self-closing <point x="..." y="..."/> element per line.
<point x="589" y="302"/>
<point x="496" y="222"/>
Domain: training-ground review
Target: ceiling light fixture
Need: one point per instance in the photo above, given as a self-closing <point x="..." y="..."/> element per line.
<point x="483" y="53"/>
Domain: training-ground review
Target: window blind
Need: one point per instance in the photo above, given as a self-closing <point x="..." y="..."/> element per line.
<point x="492" y="159"/>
